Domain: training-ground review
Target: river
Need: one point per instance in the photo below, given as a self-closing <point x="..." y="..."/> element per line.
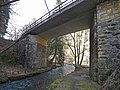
<point x="38" y="82"/>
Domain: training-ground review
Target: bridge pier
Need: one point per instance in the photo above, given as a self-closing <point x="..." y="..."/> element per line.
<point x="93" y="51"/>
<point x="36" y="51"/>
<point x="107" y="33"/>
<point x="42" y="50"/>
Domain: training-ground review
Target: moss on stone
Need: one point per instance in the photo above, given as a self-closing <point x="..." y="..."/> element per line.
<point x="7" y="58"/>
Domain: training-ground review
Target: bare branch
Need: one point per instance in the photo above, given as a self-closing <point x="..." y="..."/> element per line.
<point x="11" y="11"/>
<point x="5" y="4"/>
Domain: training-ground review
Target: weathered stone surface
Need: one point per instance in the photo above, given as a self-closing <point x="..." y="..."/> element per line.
<point x="113" y="82"/>
<point x="35" y="53"/>
<point x="118" y="56"/>
<point x="41" y="54"/>
<point x="29" y="53"/>
<point x="93" y="54"/>
<point x="108" y="38"/>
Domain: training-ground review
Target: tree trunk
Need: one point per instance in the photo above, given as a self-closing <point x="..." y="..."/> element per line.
<point x="75" y="61"/>
<point x="75" y="56"/>
<point x="82" y="54"/>
<point x="51" y="61"/>
<point x="78" y="53"/>
<point x="79" y="46"/>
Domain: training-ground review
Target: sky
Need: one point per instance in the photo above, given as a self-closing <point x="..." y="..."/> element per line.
<point x="27" y="10"/>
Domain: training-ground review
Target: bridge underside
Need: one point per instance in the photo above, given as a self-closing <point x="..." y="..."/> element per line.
<point x="75" y="17"/>
<point x="104" y="36"/>
<point x="69" y="27"/>
<point x="104" y="40"/>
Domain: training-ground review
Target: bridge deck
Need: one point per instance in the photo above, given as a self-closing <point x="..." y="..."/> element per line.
<point x="78" y="15"/>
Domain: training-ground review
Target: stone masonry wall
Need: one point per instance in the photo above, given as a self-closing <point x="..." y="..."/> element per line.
<point x="108" y="30"/>
<point x="31" y="60"/>
<point x="29" y="53"/>
<point x="113" y="82"/>
<point x="93" y="52"/>
<point x="41" y="54"/>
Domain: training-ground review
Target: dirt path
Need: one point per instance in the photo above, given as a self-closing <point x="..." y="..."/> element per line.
<point x="78" y="80"/>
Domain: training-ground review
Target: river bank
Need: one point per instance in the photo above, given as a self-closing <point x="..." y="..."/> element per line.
<point x="77" y="80"/>
<point x="40" y="81"/>
<point x="13" y="73"/>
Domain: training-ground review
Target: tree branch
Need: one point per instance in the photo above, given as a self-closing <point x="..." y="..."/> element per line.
<point x="5" y="4"/>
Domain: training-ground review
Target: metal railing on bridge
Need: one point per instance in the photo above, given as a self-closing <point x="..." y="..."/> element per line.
<point x="42" y="20"/>
<point x="48" y="15"/>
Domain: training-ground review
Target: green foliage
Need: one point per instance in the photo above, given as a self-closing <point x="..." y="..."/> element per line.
<point x="51" y="46"/>
<point x="60" y="84"/>
<point x="7" y="58"/>
<point x="58" y="2"/>
<point x="86" y="86"/>
<point x="55" y="47"/>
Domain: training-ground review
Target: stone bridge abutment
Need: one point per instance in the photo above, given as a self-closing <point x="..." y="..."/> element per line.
<point x="36" y="51"/>
<point x="105" y="40"/>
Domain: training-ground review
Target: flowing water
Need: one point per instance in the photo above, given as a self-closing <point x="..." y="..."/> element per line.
<point x="38" y="82"/>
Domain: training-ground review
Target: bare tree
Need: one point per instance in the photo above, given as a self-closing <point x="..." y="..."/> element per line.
<point x="77" y="44"/>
